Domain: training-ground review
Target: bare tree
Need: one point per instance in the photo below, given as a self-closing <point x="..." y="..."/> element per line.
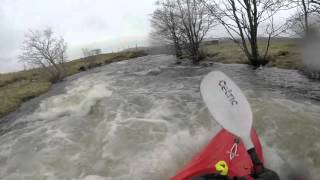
<point x="196" y="22"/>
<point x="306" y="19"/>
<point x="316" y="6"/>
<point x="184" y="23"/>
<point x="43" y="49"/>
<point x="165" y="23"/>
<point x="245" y="19"/>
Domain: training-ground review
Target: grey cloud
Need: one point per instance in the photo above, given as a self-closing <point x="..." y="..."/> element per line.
<point x="95" y="22"/>
<point x="98" y="23"/>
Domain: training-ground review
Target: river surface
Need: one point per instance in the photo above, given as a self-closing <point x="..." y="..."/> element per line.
<point x="144" y="119"/>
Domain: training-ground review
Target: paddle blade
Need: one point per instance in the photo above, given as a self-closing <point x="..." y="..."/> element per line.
<point x="227" y="104"/>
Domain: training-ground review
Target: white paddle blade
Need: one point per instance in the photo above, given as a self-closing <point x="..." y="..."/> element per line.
<point x="228" y="105"/>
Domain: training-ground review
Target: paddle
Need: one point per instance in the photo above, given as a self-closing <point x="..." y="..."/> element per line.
<point x="230" y="108"/>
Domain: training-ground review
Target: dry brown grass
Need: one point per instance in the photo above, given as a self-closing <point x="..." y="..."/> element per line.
<point x="284" y="53"/>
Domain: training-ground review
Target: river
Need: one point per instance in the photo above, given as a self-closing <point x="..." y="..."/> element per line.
<point x="144" y="119"/>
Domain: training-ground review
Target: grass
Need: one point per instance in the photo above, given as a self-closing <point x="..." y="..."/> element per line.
<point x="18" y="87"/>
<point x="284" y="53"/>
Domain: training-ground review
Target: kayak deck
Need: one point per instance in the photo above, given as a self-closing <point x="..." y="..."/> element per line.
<point x="223" y="147"/>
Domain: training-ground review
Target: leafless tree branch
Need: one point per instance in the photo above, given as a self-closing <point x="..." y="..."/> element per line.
<point x="243" y="19"/>
<point x="43" y="49"/>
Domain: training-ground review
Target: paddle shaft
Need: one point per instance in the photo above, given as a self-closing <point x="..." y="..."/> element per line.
<point x="251" y="150"/>
<point x="258" y="167"/>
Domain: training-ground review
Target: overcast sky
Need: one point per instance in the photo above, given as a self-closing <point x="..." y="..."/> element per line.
<point x="111" y="25"/>
<point x="106" y="24"/>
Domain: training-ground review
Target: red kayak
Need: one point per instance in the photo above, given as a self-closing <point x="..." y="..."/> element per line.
<point x="223" y="147"/>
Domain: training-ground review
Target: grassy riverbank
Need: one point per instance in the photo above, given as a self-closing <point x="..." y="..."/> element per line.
<point x="18" y="87"/>
<point x="284" y="53"/>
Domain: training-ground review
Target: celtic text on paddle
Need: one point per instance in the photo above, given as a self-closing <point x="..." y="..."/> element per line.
<point x="228" y="92"/>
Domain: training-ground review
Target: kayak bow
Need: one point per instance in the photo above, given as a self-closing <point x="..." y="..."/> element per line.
<point x="236" y="149"/>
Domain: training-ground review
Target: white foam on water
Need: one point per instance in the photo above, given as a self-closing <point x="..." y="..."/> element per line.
<point x="111" y="125"/>
<point x="34" y="150"/>
<point x="147" y="72"/>
<point x="164" y="158"/>
<point x="290" y="134"/>
<point x="77" y="101"/>
<point x="95" y="177"/>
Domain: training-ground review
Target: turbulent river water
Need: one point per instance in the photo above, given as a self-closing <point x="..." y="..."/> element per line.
<point x="144" y="119"/>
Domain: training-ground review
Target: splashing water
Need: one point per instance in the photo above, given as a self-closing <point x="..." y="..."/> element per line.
<point x="144" y="119"/>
